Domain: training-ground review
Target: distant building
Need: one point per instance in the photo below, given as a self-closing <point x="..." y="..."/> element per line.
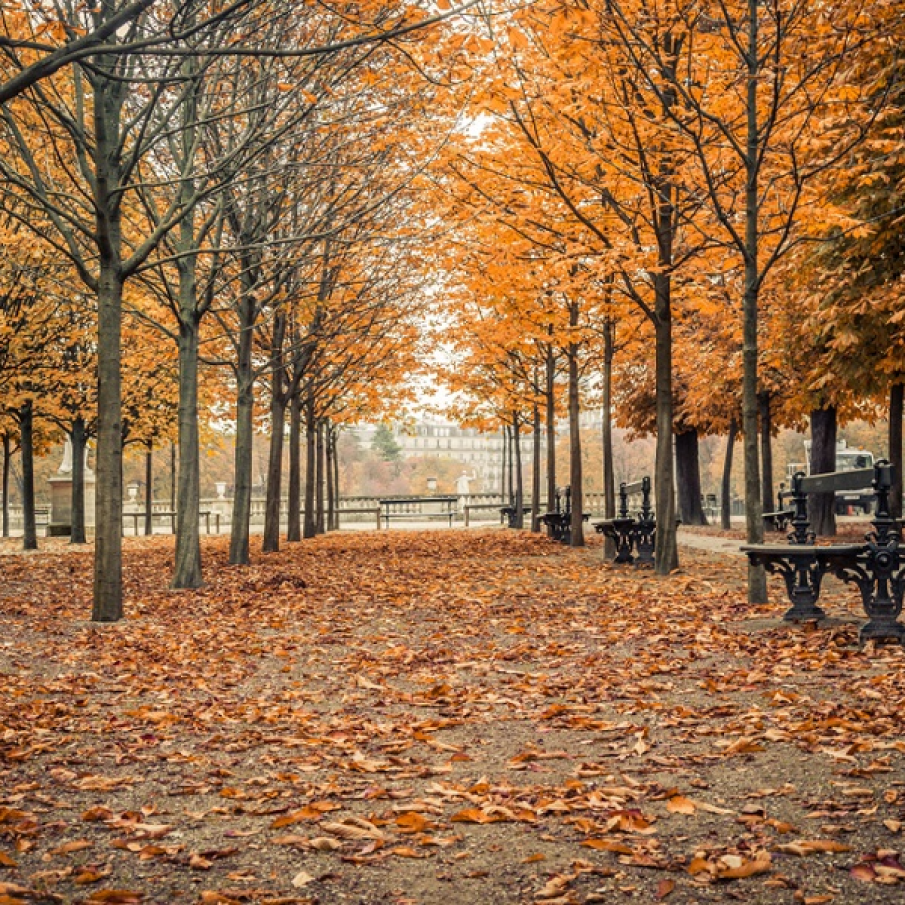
<point x="481" y="454"/>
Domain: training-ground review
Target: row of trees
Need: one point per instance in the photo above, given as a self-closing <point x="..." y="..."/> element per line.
<point x="233" y="183"/>
<point x="692" y="211"/>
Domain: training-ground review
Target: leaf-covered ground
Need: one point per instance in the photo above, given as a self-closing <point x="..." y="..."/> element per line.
<point x="469" y="717"/>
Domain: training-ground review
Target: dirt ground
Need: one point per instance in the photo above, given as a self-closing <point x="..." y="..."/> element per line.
<point x="444" y="716"/>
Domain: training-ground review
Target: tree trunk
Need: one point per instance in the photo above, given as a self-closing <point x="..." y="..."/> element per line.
<point x="535" y="471"/>
<point x="766" y="450"/>
<point x="271" y="540"/>
<point x="149" y="488"/>
<point x="504" y="479"/>
<point x="666" y="554"/>
<point x="576" y="484"/>
<point x="726" y="483"/>
<point x="7" y="446"/>
<point x="26" y="445"/>
<point x="550" y="395"/>
<point x="173" y="477"/>
<point x="896" y="394"/>
<point x="108" y="540"/>
<point x="331" y="501"/>
<point x="187" y="505"/>
<point x="609" y="471"/>
<point x="688" y="474"/>
<point x="239" y="553"/>
<point x="320" y="469"/>
<point x="187" y="478"/>
<point x="754" y="512"/>
<point x="335" y="442"/>
<point x="77" y="517"/>
<point x="519" y="477"/>
<point x="310" y="521"/>
<point x="511" y="443"/>
<point x="294" y="526"/>
<point x="274" y="488"/>
<point x="822" y="506"/>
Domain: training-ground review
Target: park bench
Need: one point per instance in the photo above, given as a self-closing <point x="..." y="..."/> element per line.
<point x="781" y="517"/>
<point x="875" y="566"/>
<point x="559" y="521"/>
<point x="509" y="515"/>
<point x="171" y="515"/>
<point x="417" y="508"/>
<point x="632" y="532"/>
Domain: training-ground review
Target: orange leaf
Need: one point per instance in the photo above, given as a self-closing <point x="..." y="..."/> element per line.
<point x="605" y="845"/>
<point x="665" y="887"/>
<point x="679" y="804"/>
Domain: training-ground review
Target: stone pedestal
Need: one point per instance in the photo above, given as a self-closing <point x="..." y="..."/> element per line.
<point x="61" y="503"/>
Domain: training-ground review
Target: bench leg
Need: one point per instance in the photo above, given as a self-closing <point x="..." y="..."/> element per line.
<point x="803" y="585"/>
<point x="881" y="595"/>
<point x="623" y="549"/>
<point x="645" y="543"/>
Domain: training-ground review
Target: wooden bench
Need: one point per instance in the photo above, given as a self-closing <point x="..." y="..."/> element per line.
<point x="203" y="514"/>
<point x="559" y="521"/>
<point x="637" y="532"/>
<point x="413" y="508"/>
<point x="876" y="566"/>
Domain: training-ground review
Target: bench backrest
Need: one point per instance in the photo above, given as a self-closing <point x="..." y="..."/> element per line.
<point x="636" y="487"/>
<point x="879" y="478"/>
<point x="837" y="480"/>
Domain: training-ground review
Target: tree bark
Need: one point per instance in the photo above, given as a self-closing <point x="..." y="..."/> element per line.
<point x="26" y="445"/>
<point x="187" y="478"/>
<point x="550" y="396"/>
<point x="688" y="474"/>
<point x="334" y="437"/>
<point x="173" y="477"/>
<point x="535" y="470"/>
<point x="822" y="506"/>
<point x="666" y="554"/>
<point x="239" y="553"/>
<point x="519" y="477"/>
<point x="754" y="522"/>
<point x="609" y="471"/>
<point x="108" y="544"/>
<point x="766" y="450"/>
<point x="726" y="483"/>
<point x="331" y="502"/>
<point x="294" y="526"/>
<point x="310" y="521"/>
<point x="504" y="476"/>
<point x="7" y="446"/>
<point x="278" y="399"/>
<point x="77" y="517"/>
<point x="321" y="474"/>
<point x="896" y="398"/>
<point x="149" y="488"/>
<point x="271" y="539"/>
<point x="576" y="482"/>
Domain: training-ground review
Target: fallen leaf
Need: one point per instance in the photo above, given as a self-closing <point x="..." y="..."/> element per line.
<point x="302" y="878"/>
<point x="678" y="804"/>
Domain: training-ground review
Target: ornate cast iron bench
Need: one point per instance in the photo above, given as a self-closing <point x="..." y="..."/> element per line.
<point x="632" y="532"/>
<point x="876" y="566"/>
<point x="781" y="518"/>
<point x="508" y="514"/>
<point x="559" y="521"/>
